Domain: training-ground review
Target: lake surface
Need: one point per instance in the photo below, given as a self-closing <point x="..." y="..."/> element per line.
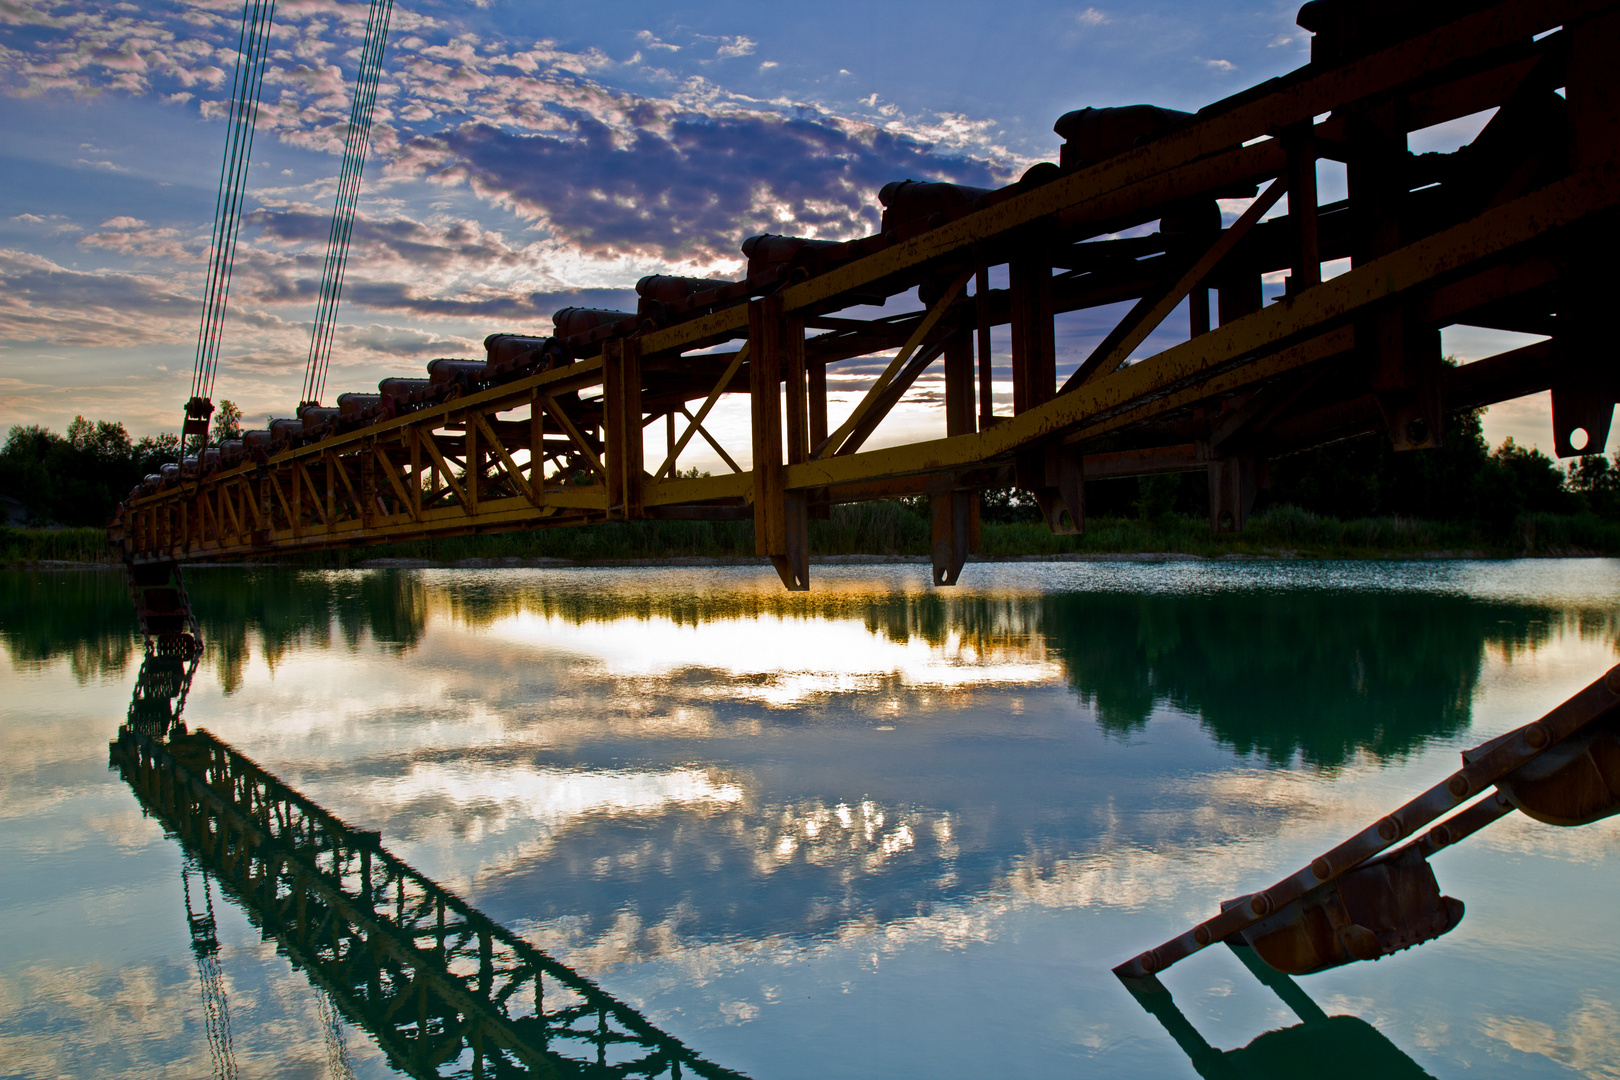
<point x="875" y="830"/>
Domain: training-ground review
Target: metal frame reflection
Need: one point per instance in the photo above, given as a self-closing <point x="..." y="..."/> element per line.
<point x="1319" y="1046"/>
<point x="444" y="990"/>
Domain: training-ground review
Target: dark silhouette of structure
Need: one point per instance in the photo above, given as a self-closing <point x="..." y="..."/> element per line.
<point x="1320" y="1046"/>
<point x="441" y="988"/>
<point x="1513" y="231"/>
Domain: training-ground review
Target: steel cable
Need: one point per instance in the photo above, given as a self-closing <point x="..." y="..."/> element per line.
<point x="247" y="81"/>
<point x="355" y="143"/>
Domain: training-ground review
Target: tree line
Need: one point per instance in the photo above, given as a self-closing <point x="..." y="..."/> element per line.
<point x="78" y="478"/>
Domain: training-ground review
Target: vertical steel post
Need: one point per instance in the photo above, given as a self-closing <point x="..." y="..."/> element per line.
<point x="781" y="528"/>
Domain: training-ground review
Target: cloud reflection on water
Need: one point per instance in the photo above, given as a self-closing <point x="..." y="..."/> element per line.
<point x="699" y="774"/>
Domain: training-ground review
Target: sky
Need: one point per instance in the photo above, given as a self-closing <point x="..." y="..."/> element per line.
<point x="528" y="156"/>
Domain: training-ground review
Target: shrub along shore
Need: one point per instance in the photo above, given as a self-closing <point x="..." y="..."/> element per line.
<point x="894" y="529"/>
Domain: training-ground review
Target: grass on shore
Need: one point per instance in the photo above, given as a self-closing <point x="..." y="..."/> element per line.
<point x="890" y="528"/>
<point x="50" y="545"/>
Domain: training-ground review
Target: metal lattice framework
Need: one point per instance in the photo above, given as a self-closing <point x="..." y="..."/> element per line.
<point x="1513" y="231"/>
<point x="443" y="989"/>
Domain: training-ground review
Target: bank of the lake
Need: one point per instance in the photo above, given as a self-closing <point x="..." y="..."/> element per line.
<point x="892" y="529"/>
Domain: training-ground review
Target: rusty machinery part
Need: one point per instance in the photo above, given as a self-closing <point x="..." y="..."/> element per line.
<point x="513" y="355"/>
<point x="906" y="201"/>
<point x="768" y="251"/>
<point x="1576" y="782"/>
<point x="198" y="410"/>
<point x="352" y="406"/>
<point x="1342" y="31"/>
<point x="1383" y="906"/>
<point x="1508" y="232"/>
<point x="457" y="377"/>
<point x="1093" y="135"/>
<point x="316" y="418"/>
<point x="664" y="298"/>
<point x="570" y="321"/>
<point x="258" y="443"/>
<point x="670" y="289"/>
<point x="399" y="396"/>
<point x="1315" y="917"/>
<point x="286" y="431"/>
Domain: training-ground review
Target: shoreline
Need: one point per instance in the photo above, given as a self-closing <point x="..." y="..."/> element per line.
<point x="548" y="562"/>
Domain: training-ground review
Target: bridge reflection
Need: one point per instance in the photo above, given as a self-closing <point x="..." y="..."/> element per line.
<point x="443" y="990"/>
<point x="1320" y="1046"/>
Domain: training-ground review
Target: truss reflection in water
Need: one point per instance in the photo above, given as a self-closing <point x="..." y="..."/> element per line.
<point x="1322" y="1047"/>
<point x="443" y="989"/>
<point x="160" y="693"/>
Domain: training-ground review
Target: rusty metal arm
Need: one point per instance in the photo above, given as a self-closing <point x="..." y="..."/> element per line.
<point x="1505" y="754"/>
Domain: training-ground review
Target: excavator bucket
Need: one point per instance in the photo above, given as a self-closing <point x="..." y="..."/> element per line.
<point x="1381" y="907"/>
<point x="1576" y="782"/>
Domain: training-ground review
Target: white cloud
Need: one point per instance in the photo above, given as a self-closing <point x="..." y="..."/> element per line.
<point x="736" y="46"/>
<point x="647" y="38"/>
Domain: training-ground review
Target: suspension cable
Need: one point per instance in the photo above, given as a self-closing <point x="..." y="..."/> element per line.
<point x="355" y="144"/>
<point x="247" y="81"/>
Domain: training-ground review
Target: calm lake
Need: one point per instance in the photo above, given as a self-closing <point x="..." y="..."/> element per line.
<point x="875" y="830"/>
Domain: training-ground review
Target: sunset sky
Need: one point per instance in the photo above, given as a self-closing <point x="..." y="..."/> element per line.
<point x="527" y="156"/>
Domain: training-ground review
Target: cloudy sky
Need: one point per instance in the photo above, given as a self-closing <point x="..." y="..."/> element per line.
<point x="525" y="156"/>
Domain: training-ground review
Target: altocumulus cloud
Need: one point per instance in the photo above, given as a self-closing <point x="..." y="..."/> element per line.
<point x="695" y="185"/>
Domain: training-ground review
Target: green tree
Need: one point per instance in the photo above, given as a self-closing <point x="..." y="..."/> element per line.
<point x="1596" y="480"/>
<point x="154" y="451"/>
<point x="227" y="421"/>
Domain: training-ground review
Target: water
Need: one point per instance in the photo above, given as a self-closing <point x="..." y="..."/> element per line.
<point x="876" y="830"/>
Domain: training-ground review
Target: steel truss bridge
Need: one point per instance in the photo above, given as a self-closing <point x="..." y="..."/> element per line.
<point x="1514" y="231"/>
<point x="443" y="990"/>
